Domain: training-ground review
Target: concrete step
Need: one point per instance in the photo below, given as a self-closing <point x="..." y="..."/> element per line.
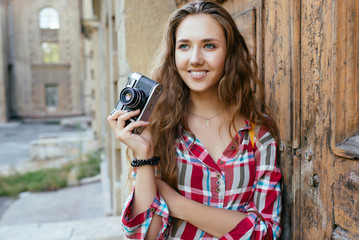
<point x="106" y="228"/>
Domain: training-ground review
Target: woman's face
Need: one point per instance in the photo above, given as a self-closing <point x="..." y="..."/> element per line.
<point x="200" y="53"/>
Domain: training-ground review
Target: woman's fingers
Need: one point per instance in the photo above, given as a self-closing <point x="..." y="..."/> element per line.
<point x="133" y="125"/>
<point x="126" y="115"/>
<point x="119" y="118"/>
<point x="125" y="133"/>
<point x="117" y="121"/>
<point x="112" y="119"/>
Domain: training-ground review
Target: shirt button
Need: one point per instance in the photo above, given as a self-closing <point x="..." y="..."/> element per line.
<point x="218" y="176"/>
<point x="233" y="147"/>
<point x="221" y="162"/>
<point x="218" y="190"/>
<point x="218" y="183"/>
<point x="152" y="210"/>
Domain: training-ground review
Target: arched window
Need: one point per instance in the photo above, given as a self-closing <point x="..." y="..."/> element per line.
<point x="49" y="18"/>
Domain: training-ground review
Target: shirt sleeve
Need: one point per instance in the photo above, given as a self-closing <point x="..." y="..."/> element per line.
<point x="265" y="202"/>
<point x="136" y="227"/>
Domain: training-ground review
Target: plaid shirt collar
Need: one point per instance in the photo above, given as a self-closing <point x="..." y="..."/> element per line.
<point x="197" y="149"/>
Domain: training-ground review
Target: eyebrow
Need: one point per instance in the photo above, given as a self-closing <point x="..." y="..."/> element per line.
<point x="203" y="40"/>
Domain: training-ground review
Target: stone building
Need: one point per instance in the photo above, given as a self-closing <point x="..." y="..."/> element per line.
<point x="5" y="65"/>
<point x="121" y="36"/>
<point x="45" y="63"/>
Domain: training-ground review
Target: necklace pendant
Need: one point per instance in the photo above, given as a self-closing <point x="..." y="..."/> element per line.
<point x="207" y="122"/>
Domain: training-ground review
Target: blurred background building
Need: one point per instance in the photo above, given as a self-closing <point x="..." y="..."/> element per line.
<point x="5" y="64"/>
<point x="43" y="60"/>
<point x="62" y="58"/>
<point x="120" y="37"/>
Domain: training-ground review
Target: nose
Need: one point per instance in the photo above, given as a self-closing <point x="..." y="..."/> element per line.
<point x="196" y="58"/>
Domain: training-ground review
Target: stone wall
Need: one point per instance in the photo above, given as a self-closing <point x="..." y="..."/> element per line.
<point x="121" y="37"/>
<point x="4" y="56"/>
<point x="140" y="26"/>
<point x="33" y="74"/>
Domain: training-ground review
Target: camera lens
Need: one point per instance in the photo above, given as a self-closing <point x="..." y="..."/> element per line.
<point x="132" y="98"/>
<point x="128" y="96"/>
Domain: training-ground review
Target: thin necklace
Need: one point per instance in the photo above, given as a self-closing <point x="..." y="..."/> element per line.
<point x="207" y="119"/>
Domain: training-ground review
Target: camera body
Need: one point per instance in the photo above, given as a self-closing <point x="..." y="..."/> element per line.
<point x="141" y="93"/>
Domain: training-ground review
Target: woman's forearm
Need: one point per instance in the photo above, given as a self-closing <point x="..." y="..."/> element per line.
<point x="154" y="228"/>
<point x="145" y="190"/>
<point x="215" y="221"/>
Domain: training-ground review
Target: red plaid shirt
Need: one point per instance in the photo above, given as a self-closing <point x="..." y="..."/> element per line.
<point x="244" y="178"/>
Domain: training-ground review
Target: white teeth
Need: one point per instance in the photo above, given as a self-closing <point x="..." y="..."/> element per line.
<point x="198" y="73"/>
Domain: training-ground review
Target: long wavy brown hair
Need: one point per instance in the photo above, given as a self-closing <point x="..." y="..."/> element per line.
<point x="240" y="90"/>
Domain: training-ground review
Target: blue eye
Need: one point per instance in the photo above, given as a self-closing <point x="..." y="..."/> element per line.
<point x="183" y="46"/>
<point x="210" y="46"/>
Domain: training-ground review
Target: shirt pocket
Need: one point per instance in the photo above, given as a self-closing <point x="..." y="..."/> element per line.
<point x="240" y="175"/>
<point x="194" y="180"/>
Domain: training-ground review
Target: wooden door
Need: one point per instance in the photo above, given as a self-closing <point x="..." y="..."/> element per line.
<point x="281" y="77"/>
<point x="311" y="72"/>
<point x="316" y="205"/>
<point x="308" y="53"/>
<point x="329" y="199"/>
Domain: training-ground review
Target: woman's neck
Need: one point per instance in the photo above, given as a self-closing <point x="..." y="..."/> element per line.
<point x="205" y="104"/>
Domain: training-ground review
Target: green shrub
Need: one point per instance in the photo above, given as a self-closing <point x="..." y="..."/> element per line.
<point x="41" y="180"/>
<point x="91" y="166"/>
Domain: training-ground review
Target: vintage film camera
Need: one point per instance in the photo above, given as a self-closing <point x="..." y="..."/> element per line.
<point x="140" y="93"/>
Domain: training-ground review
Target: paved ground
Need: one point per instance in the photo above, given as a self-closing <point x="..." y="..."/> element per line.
<point x="5" y="202"/>
<point x="75" y="203"/>
<point x="15" y="138"/>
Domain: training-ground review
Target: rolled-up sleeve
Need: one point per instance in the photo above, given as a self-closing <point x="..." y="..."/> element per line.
<point x="266" y="198"/>
<point x="136" y="227"/>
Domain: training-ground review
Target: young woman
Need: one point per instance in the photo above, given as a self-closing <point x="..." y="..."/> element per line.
<point x="217" y="177"/>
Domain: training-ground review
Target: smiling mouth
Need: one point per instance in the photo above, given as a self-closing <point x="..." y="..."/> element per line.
<point x="198" y="73"/>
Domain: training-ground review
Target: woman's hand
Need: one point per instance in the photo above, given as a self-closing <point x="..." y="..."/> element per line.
<point x="173" y="199"/>
<point x="213" y="220"/>
<point x="141" y="145"/>
<point x="142" y="148"/>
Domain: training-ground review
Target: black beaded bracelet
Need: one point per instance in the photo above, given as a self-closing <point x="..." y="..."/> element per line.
<point x="142" y="162"/>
